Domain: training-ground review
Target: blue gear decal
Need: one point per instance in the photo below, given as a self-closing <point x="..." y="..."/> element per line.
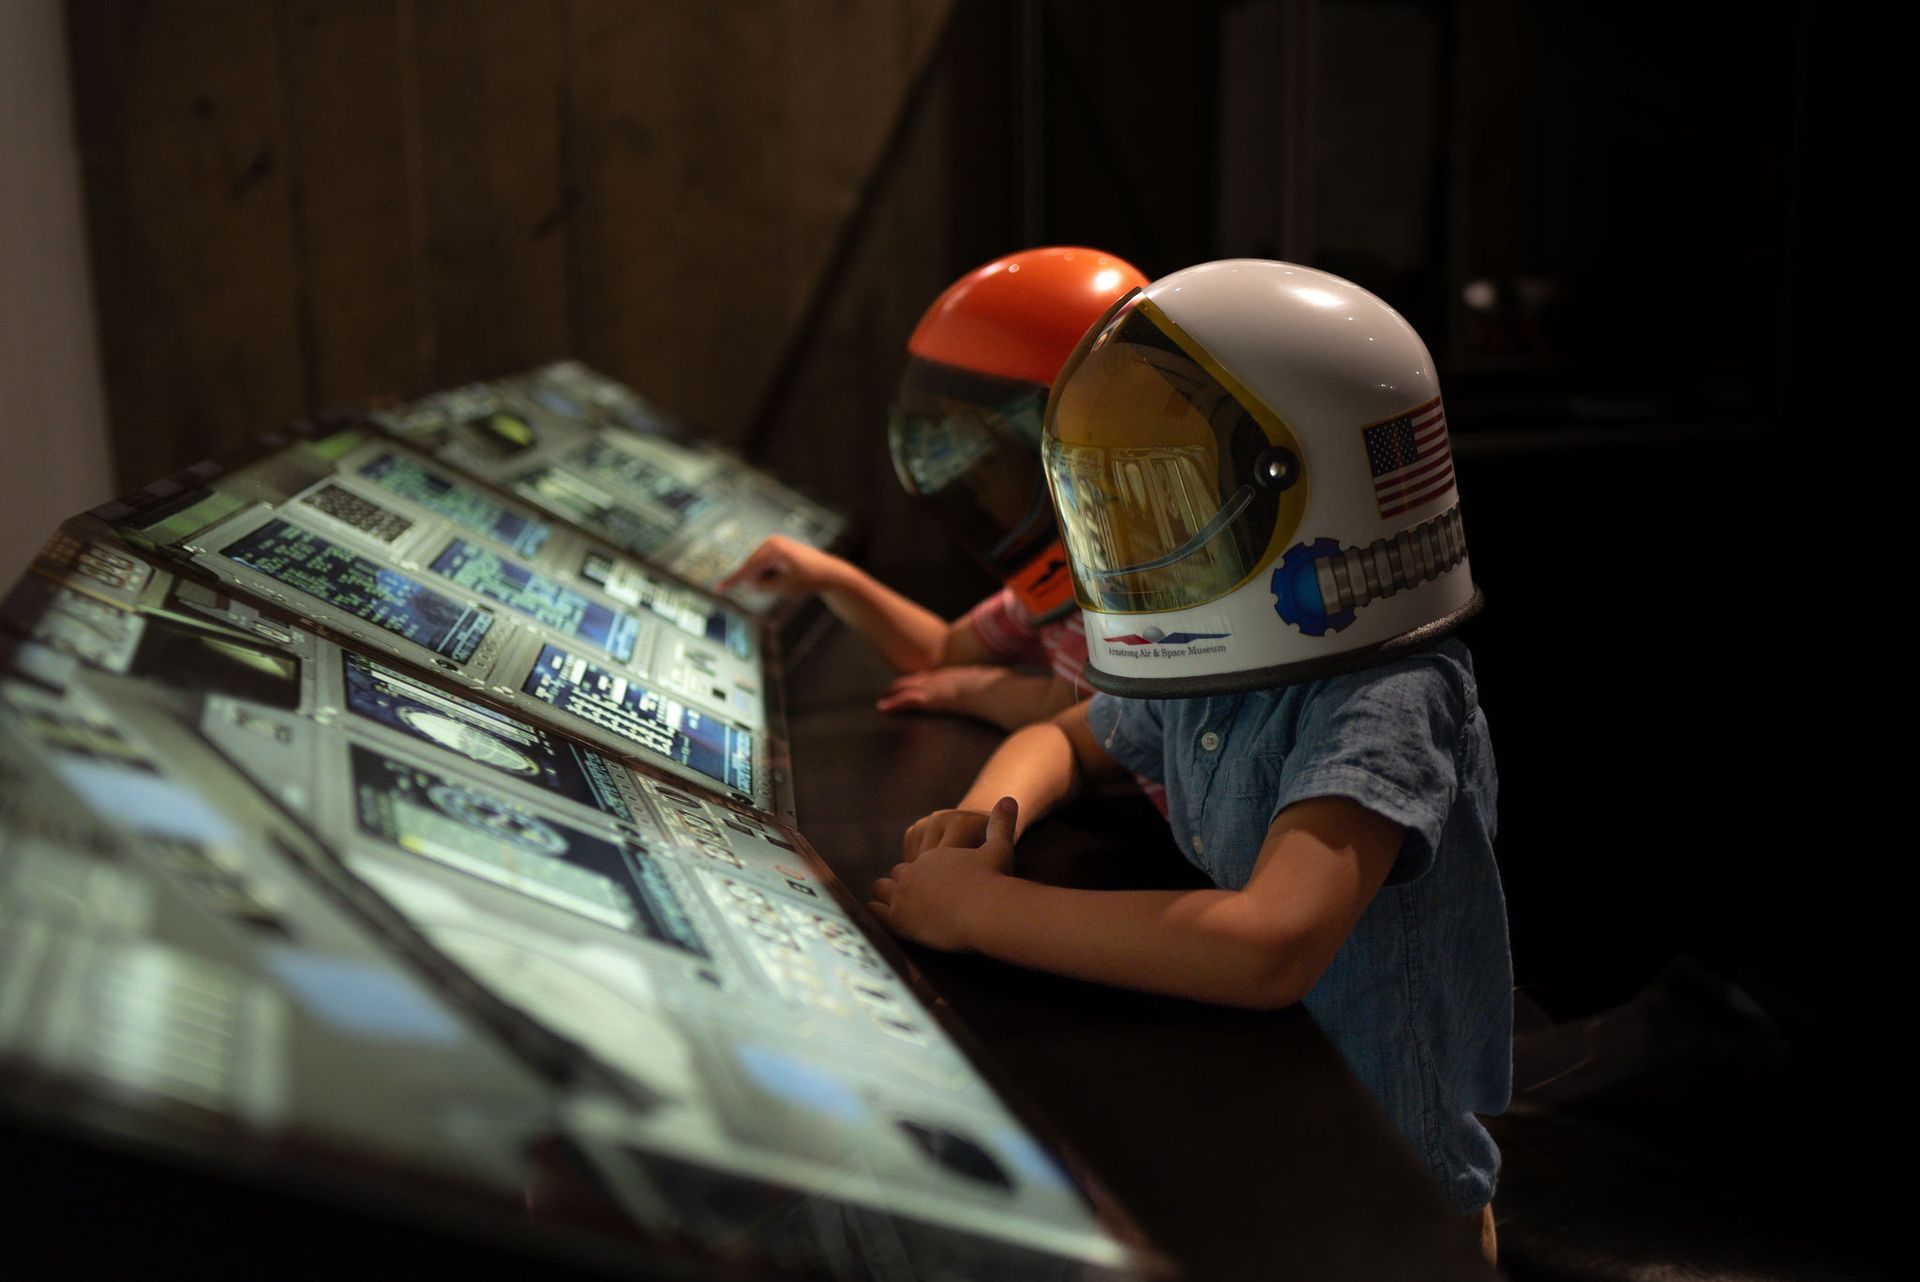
<point x="1296" y="589"/>
<point x="1382" y="568"/>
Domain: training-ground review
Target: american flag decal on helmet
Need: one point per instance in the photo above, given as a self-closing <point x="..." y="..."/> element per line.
<point x="1410" y="458"/>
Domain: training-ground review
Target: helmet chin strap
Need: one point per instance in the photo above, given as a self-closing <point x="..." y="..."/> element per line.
<point x="1229" y="512"/>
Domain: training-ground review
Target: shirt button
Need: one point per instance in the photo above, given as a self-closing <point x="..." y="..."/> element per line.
<point x="1210" y="741"/>
<point x="1199" y="845"/>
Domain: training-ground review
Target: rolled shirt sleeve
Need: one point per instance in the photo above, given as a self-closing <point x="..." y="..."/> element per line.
<point x="1388" y="739"/>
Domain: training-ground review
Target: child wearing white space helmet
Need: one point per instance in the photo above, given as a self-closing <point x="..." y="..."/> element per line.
<point x="1251" y="470"/>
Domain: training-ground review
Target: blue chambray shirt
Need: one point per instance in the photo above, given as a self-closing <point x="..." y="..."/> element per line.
<point x="1420" y="997"/>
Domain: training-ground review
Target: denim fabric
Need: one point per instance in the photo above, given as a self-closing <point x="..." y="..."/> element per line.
<point x="1420" y="997"/>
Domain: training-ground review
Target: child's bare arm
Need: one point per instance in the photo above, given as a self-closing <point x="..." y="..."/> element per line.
<point x="998" y="695"/>
<point x="1264" y="946"/>
<point x="973" y="679"/>
<point x="908" y="636"/>
<point x="1042" y="767"/>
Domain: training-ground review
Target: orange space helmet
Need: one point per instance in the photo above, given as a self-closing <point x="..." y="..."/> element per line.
<point x="965" y="427"/>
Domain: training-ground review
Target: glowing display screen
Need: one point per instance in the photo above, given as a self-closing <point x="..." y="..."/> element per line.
<point x="464" y="506"/>
<point x="385" y="598"/>
<point x="488" y="836"/>
<point x="482" y="735"/>
<point x="604" y="462"/>
<point x="567" y="495"/>
<point x="654" y="721"/>
<point x="684" y="608"/>
<point x="543" y="598"/>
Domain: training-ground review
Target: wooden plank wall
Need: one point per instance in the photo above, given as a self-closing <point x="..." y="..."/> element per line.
<point x="1126" y="171"/>
<point x="297" y="203"/>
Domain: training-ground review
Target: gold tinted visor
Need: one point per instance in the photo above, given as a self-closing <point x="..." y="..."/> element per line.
<point x="1172" y="483"/>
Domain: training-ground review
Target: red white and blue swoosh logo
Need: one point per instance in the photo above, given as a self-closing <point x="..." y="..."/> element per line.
<point x="1154" y="636"/>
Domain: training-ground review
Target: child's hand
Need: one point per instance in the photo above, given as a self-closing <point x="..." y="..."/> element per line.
<point x="784" y="567"/>
<point x="952" y="830"/>
<point x="927" y="898"/>
<point x="950" y="689"/>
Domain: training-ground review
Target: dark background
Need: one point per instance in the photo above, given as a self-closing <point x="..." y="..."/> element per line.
<point x="1653" y="249"/>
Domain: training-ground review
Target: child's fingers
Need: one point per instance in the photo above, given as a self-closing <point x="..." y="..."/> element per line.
<point x="963" y="829"/>
<point x="907" y="692"/>
<point x="924" y="835"/>
<point x="1001" y="821"/>
<point x="752" y="567"/>
<point x="769" y="564"/>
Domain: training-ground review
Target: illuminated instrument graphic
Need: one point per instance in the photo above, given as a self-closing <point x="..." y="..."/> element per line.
<point x="657" y="723"/>
<point x="482" y="734"/>
<point x="467" y="740"/>
<point x="363" y="588"/>
<point x="541" y="597"/>
<point x="257" y="885"/>
<point x="586" y="449"/>
<point x="462" y="504"/>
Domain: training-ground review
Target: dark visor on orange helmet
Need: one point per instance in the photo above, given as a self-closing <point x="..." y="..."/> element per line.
<point x="966" y="445"/>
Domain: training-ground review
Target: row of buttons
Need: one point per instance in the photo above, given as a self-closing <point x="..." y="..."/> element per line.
<point x="1209" y="742"/>
<point x="697" y="831"/>
<point x="845" y="940"/>
<point x="382" y="524"/>
<point x="780" y="954"/>
<point x="873" y="990"/>
<point x="884" y="1007"/>
<point x="773" y="934"/>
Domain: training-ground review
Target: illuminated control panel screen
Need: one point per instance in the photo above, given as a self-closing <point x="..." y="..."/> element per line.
<point x="461" y="504"/>
<point x="566" y="495"/>
<point x="605" y="462"/>
<point x="657" y="723"/>
<point x="489" y="836"/>
<point x="538" y="596"/>
<point x="691" y="612"/>
<point x="348" y="581"/>
<point x="581" y="449"/>
<point x="482" y="735"/>
<point x="256" y="881"/>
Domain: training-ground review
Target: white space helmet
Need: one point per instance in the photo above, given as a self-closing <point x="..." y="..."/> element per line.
<point x="1250" y="466"/>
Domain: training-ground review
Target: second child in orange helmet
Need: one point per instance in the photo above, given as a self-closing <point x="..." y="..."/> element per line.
<point x="965" y="437"/>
